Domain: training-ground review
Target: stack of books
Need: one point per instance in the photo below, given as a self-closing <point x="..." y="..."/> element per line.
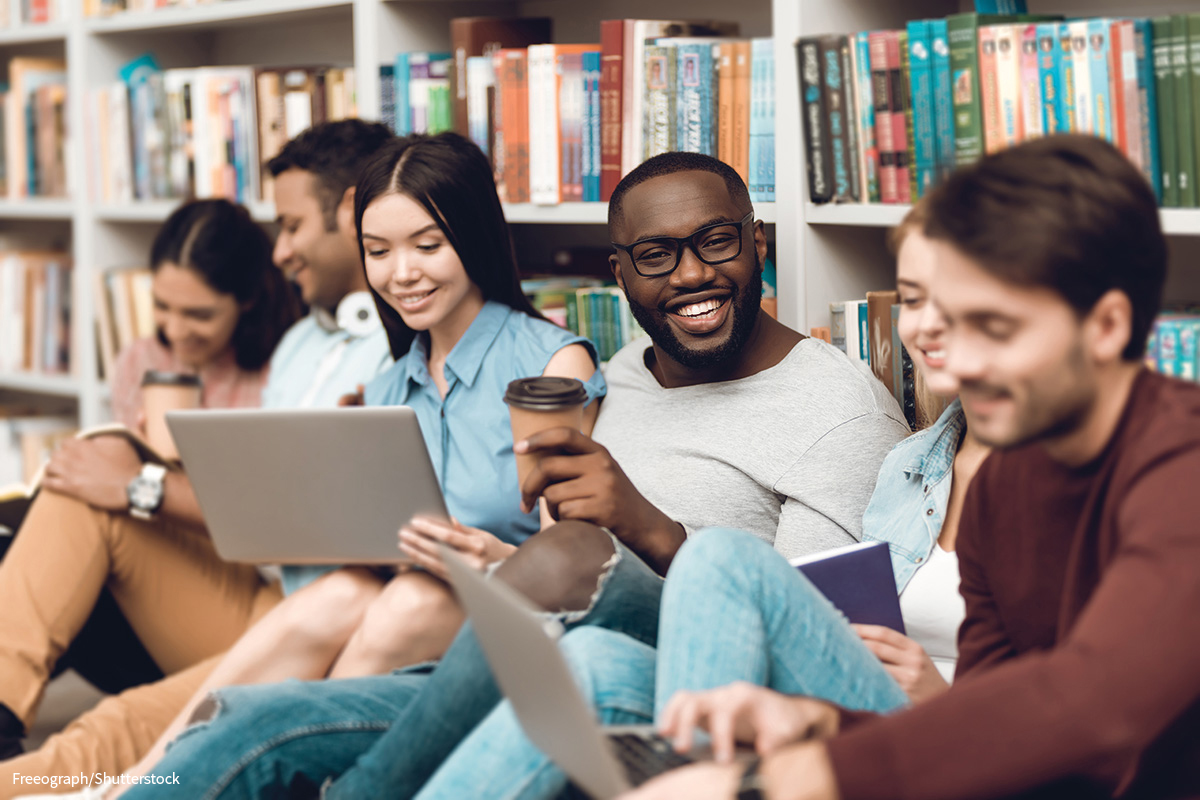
<point x="1172" y="347"/>
<point x="206" y="131"/>
<point x="889" y="113"/>
<point x="564" y="122"/>
<point x="35" y="312"/>
<point x="14" y="13"/>
<point x="34" y="128"/>
<point x="865" y="330"/>
<point x="588" y="307"/>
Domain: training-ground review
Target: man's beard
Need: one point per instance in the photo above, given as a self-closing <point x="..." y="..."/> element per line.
<point x="745" y="306"/>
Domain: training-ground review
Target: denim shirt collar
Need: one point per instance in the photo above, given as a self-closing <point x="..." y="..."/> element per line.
<point x="466" y="358"/>
<point x="932" y="463"/>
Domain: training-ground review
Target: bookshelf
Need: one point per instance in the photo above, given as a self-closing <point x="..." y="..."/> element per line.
<point x="824" y="253"/>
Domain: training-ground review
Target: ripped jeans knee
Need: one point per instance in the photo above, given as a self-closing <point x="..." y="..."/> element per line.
<point x="625" y="600"/>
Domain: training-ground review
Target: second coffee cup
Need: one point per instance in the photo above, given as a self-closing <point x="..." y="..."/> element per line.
<point x="536" y="404"/>
<point x="163" y="392"/>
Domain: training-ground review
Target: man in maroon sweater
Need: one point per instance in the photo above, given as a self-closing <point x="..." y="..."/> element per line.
<point x="1079" y="548"/>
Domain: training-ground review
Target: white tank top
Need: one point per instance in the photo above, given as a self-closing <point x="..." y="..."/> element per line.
<point x="933" y="609"/>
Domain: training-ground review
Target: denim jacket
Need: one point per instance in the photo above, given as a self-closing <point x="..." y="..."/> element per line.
<point x="912" y="492"/>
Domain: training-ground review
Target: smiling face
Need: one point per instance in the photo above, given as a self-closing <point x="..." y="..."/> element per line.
<point x="921" y="326"/>
<point x="1021" y="355"/>
<point x="415" y="269"/>
<point x="196" y="320"/>
<point x="700" y="315"/>
<point x="322" y="262"/>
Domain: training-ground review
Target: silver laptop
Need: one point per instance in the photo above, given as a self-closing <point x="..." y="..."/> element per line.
<point x="520" y="645"/>
<point x="328" y="486"/>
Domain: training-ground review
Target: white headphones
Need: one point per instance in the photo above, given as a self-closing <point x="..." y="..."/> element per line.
<point x="357" y="315"/>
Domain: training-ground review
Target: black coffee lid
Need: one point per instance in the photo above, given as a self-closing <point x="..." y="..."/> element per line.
<point x="153" y="377"/>
<point x="545" y="393"/>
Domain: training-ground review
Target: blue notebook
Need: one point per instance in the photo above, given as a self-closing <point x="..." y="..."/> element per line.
<point x="858" y="580"/>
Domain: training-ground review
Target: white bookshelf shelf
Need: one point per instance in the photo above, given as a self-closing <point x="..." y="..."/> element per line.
<point x="1175" y="221"/>
<point x="33" y="33"/>
<point x="156" y="211"/>
<point x="37" y="208"/>
<point x="226" y="13"/>
<point x="55" y="385"/>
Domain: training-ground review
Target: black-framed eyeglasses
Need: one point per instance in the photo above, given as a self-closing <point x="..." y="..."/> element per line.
<point x="712" y="244"/>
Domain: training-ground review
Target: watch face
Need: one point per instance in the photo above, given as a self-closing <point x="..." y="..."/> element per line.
<point x="144" y="493"/>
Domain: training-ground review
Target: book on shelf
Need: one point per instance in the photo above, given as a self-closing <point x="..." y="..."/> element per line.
<point x="204" y="131"/>
<point x="1172" y="346"/>
<point x="35" y="312"/>
<point x="124" y="303"/>
<point x="976" y="83"/>
<point x="564" y="122"/>
<point x="866" y="330"/>
<point x="35" y="129"/>
<point x="588" y="307"/>
<point x="17" y="13"/>
<point x="858" y="580"/>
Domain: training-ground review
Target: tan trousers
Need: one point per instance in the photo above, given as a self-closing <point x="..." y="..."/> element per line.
<point x="185" y="604"/>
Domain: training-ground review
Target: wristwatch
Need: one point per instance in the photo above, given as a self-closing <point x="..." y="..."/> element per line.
<point x="145" y="492"/>
<point x="752" y="786"/>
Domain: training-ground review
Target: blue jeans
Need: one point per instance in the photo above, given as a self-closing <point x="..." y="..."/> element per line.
<point x="384" y="735"/>
<point x="461" y="691"/>
<point x="732" y="609"/>
<point x="262" y="736"/>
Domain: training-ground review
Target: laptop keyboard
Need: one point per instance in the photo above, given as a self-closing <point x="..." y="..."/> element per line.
<point x="643" y="757"/>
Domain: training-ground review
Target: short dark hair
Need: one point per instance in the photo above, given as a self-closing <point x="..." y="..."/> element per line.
<point x="1069" y="213"/>
<point x="335" y="153"/>
<point x="452" y="180"/>
<point x="668" y="164"/>
<point x="231" y="253"/>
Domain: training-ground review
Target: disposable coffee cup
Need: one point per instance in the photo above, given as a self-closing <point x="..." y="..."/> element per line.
<point x="537" y="404"/>
<point x="163" y="392"/>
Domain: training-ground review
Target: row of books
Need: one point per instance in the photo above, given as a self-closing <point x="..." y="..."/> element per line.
<point x="27" y="438"/>
<point x="1172" y="347"/>
<point x="104" y="8"/>
<point x="564" y="122"/>
<point x="124" y="301"/>
<point x="587" y="307"/>
<point x="33" y="118"/>
<point x="888" y="113"/>
<point x="35" y="312"/>
<point x="865" y="330"/>
<point x="206" y="131"/>
<point x="14" y="13"/>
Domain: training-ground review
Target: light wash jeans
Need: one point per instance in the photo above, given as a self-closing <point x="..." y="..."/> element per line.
<point x="384" y="735"/>
<point x="732" y="609"/>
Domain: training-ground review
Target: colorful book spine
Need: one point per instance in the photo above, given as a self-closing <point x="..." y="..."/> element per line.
<point x="1192" y="24"/>
<point x="694" y="99"/>
<point x="1164" y="83"/>
<point x="1084" y="108"/>
<point x="1031" y="85"/>
<point x="401" y="77"/>
<point x="920" y="45"/>
<point x="816" y="136"/>
<point x="989" y="90"/>
<point x="835" y="110"/>
<point x="741" y="110"/>
<point x="387" y="95"/>
<point x="898" y="55"/>
<point x="1066" y="61"/>
<point x="963" y="31"/>
<point x="591" y="126"/>
<point x="1098" y="70"/>
<point x="1183" y="112"/>
<point x="1008" y="83"/>
<point x="943" y="100"/>
<point x="1123" y="72"/>
<point x="612" y="77"/>
<point x="866" y="119"/>
<point x="882" y="95"/>
<point x="852" y="145"/>
<point x="1148" y="104"/>
<point x="762" y="123"/>
<point x="1050" y="80"/>
<point x="658" y="127"/>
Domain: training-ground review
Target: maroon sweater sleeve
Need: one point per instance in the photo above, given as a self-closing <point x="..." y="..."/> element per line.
<point x="1090" y="707"/>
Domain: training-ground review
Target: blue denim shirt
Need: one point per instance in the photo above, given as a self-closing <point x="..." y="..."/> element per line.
<point x="468" y="433"/>
<point x="911" y="494"/>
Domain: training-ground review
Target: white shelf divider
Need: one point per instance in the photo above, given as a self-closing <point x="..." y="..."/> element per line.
<point x="156" y="211"/>
<point x="37" y="208"/>
<point x="209" y="15"/>
<point x="33" y="33"/>
<point x="1175" y="221"/>
<point x="54" y="385"/>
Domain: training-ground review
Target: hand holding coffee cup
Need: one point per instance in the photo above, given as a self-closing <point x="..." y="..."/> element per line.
<point x="538" y="404"/>
<point x="163" y="392"/>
